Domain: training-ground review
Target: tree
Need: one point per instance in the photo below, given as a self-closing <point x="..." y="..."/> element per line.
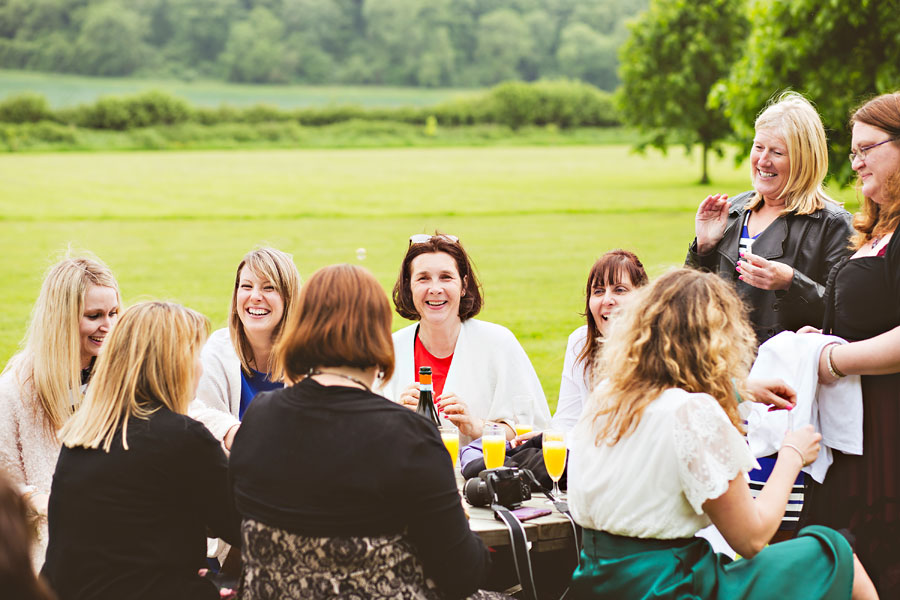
<point x="254" y="53"/>
<point x="111" y="41"/>
<point x="677" y="50"/>
<point x="838" y="54"/>
<point x="503" y="43"/>
<point x="587" y="55"/>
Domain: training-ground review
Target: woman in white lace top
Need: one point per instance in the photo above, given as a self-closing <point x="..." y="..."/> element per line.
<point x="658" y="455"/>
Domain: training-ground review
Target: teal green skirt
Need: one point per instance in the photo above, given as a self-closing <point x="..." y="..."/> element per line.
<point x="818" y="563"/>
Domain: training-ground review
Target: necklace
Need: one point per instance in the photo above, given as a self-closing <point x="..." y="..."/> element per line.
<point x="348" y="377"/>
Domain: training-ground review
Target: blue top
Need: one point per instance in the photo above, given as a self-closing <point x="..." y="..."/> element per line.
<point x="253" y="384"/>
<point x="746" y="242"/>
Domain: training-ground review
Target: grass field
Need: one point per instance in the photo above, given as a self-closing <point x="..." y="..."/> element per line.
<point x="69" y="90"/>
<point x="174" y="225"/>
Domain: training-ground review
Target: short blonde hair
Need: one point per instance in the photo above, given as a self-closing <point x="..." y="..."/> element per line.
<point x="278" y="268"/>
<point x="50" y="360"/>
<point x="344" y="320"/>
<point x="793" y="118"/>
<point x="149" y="361"/>
<point x="687" y="330"/>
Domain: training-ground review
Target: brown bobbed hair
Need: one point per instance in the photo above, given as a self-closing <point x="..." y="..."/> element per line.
<point x="608" y="270"/>
<point x="687" y="330"/>
<point x="343" y="319"/>
<point x="17" y="534"/>
<point x="470" y="302"/>
<point x="882" y="112"/>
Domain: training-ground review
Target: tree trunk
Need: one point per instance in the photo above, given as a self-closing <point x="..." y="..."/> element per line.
<point x="704" y="179"/>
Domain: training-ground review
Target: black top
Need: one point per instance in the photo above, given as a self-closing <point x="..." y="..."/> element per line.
<point x="865" y="294"/>
<point x="133" y="523"/>
<point x="329" y="461"/>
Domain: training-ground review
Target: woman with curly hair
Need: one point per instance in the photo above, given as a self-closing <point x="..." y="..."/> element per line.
<point x="658" y="455"/>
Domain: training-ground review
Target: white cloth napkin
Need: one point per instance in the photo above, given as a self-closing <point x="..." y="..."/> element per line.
<point x="834" y="410"/>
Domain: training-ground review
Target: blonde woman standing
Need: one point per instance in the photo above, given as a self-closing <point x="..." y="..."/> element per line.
<point x="658" y="455"/>
<point x="42" y="385"/>
<point x="138" y="482"/>
<point x="778" y="242"/>
<point x="236" y="360"/>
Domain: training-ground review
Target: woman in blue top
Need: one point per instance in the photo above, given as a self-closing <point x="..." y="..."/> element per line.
<point x="236" y="363"/>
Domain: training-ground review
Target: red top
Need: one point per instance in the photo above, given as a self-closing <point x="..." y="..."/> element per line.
<point x="439" y="366"/>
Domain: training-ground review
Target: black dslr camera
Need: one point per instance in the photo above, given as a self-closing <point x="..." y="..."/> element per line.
<point x="507" y="486"/>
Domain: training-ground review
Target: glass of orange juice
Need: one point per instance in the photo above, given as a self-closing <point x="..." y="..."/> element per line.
<point x="493" y="442"/>
<point x="554" y="444"/>
<point x="450" y="437"/>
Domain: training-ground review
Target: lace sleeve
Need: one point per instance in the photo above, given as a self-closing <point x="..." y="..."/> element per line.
<point x="710" y="451"/>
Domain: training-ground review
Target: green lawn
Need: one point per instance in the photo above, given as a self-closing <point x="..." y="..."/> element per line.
<point x="69" y="90"/>
<point x="173" y="225"/>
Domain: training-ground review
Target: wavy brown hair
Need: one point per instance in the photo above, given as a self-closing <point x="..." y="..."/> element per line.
<point x="607" y="271"/>
<point x="17" y="578"/>
<point x="686" y="330"/>
<point x="882" y="112"/>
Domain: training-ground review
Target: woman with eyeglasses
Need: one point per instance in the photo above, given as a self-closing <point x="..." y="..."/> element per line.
<point x="42" y="385"/>
<point x="778" y="242"/>
<point x="862" y="493"/>
<point x="480" y="372"/>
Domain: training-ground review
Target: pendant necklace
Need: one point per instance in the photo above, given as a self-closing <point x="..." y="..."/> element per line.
<point x="347" y="377"/>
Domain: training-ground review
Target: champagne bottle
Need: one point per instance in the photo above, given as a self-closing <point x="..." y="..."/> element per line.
<point x="426" y="406"/>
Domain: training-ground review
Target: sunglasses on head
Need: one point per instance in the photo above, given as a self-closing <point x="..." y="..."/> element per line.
<point x="424" y="238"/>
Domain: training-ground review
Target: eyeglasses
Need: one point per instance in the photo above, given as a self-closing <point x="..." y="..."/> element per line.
<point x="424" y="238"/>
<point x="861" y="153"/>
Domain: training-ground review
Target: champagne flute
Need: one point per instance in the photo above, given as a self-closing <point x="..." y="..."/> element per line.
<point x="493" y="442"/>
<point x="450" y="437"/>
<point x="524" y="414"/>
<point x="554" y="444"/>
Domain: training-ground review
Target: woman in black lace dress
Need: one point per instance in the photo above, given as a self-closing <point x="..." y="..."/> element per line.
<point x="343" y="493"/>
<point x="862" y="493"/>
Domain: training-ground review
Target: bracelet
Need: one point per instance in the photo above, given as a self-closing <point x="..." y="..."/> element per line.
<point x="797" y="450"/>
<point x="835" y="372"/>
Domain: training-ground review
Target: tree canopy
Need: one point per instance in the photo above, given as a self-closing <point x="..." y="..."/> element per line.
<point x="837" y="54"/>
<point x="389" y="42"/>
<point x="677" y="51"/>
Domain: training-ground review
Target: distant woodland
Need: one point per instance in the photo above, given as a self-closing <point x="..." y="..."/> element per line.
<point x="430" y="43"/>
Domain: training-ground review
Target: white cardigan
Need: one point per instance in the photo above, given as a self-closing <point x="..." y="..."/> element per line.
<point x="490" y="372"/>
<point x="218" y="400"/>
<point x="573" y="387"/>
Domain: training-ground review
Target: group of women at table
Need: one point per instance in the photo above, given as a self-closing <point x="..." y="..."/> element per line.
<point x="288" y="433"/>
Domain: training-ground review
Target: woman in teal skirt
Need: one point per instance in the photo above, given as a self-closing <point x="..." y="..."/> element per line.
<point x="658" y="455"/>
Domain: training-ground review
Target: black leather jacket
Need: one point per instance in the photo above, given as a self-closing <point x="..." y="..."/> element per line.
<point x="810" y="244"/>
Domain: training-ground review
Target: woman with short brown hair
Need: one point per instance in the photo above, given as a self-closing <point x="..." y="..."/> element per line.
<point x="343" y="492"/>
<point x="480" y="372"/>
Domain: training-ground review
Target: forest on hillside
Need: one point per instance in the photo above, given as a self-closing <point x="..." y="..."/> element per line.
<point x="430" y="43"/>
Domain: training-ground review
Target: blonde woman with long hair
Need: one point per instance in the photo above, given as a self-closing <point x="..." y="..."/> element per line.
<point x="777" y="242"/>
<point x="42" y="385"/>
<point x="138" y="482"/>
<point x="658" y="455"/>
<point x="236" y="359"/>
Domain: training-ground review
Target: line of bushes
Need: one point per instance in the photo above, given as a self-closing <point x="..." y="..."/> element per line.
<point x="513" y="104"/>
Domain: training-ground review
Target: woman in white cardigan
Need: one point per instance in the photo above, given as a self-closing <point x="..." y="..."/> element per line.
<point x="480" y="371"/>
<point x="40" y="387"/>
<point x="235" y="360"/>
<point x="609" y="285"/>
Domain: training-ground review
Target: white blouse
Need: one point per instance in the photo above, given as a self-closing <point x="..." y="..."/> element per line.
<point x="653" y="482"/>
<point x="573" y="387"/>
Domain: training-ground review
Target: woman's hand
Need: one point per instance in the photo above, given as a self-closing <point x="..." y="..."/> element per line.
<point x="774" y="392"/>
<point x="521" y="439"/>
<point x="802" y="443"/>
<point x="457" y="411"/>
<point x="764" y="274"/>
<point x="410" y="396"/>
<point x="710" y="222"/>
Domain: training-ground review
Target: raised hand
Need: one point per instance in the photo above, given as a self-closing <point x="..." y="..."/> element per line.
<point x="710" y="222"/>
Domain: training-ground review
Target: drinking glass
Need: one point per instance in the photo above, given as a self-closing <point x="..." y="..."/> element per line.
<point x="524" y="414"/>
<point x="450" y="437"/>
<point x="554" y="443"/>
<point x="493" y="442"/>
